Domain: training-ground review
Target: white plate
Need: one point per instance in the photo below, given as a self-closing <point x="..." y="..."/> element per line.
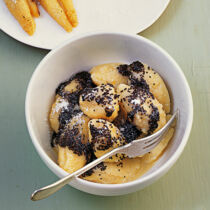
<point x="129" y="16"/>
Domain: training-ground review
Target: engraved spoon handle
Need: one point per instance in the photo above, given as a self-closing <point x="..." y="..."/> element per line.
<point x="50" y="189"/>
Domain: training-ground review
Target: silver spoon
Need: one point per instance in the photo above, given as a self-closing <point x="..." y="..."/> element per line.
<point x="133" y="149"/>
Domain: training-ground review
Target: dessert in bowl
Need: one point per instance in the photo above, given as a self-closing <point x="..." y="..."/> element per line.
<point x="112" y="105"/>
<point x="85" y="53"/>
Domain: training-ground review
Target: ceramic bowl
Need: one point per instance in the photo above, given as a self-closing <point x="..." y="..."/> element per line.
<point x="82" y="53"/>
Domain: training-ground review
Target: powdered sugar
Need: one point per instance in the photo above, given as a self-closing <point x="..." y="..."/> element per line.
<point x="61" y="104"/>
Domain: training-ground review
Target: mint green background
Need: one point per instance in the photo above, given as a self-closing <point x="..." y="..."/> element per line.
<point x="184" y="31"/>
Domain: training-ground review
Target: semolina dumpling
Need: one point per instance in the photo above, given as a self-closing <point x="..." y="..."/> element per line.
<point x="142" y="75"/>
<point x="72" y="144"/>
<point x="59" y="104"/>
<point x="104" y="137"/>
<point x="100" y="102"/>
<point x="69" y="161"/>
<point x="107" y="74"/>
<point x="143" y="110"/>
<point x="115" y="173"/>
<point x="154" y="154"/>
<point x="76" y="83"/>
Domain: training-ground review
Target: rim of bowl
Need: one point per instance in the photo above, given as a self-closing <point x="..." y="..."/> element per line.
<point x="157" y="173"/>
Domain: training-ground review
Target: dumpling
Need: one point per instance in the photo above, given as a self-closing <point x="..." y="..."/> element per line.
<point x="142" y="75"/>
<point x="142" y="109"/>
<point x="76" y="83"/>
<point x="104" y="137"/>
<point x="100" y="102"/>
<point x="57" y="107"/>
<point x="108" y="74"/>
<point x="72" y="144"/>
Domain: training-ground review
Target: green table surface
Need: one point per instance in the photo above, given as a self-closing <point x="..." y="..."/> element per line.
<point x="184" y="31"/>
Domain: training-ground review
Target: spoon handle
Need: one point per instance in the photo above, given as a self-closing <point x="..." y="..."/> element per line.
<point x="50" y="189"/>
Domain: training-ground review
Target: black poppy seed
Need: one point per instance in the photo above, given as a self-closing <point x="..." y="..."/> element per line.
<point x="123" y="70"/>
<point x="154" y="117"/>
<point x="83" y="78"/>
<point x="136" y="66"/>
<point x="100" y="166"/>
<point x="101" y="136"/>
<point x="129" y="131"/>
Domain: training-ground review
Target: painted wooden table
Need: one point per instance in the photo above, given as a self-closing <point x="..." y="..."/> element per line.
<point x="184" y="31"/>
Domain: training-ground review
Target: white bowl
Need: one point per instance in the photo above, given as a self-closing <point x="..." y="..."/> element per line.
<point x="82" y="53"/>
